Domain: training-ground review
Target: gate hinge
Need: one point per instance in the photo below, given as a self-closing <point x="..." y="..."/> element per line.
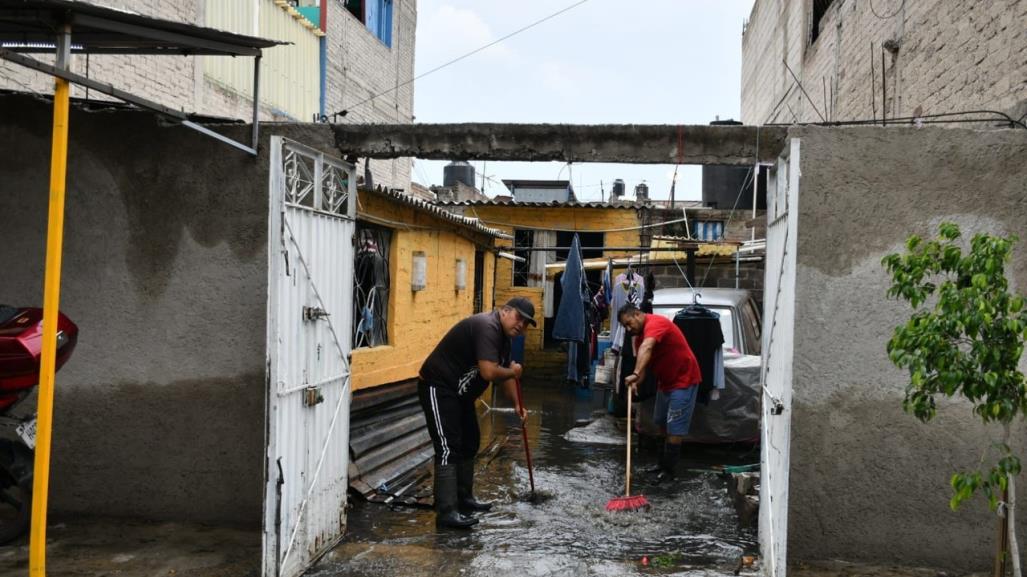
<point x="314" y="313"/>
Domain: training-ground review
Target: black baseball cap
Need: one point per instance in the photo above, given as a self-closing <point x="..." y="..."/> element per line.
<point x="524" y="307"/>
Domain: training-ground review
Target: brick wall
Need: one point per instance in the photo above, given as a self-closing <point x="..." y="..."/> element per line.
<point x="358" y="66"/>
<point x="952" y="56"/>
<point x="168" y="80"/>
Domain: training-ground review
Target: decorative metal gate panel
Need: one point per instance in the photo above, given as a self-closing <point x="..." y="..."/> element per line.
<point x="778" y="339"/>
<point x="310" y="327"/>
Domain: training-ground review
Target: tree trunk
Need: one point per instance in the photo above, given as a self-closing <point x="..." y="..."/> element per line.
<point x="1002" y="542"/>
<point x="1014" y="549"/>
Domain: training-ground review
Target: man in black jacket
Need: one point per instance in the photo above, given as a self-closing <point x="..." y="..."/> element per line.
<point x="474" y="353"/>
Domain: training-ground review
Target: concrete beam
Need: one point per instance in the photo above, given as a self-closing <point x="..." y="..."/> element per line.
<point x="625" y="143"/>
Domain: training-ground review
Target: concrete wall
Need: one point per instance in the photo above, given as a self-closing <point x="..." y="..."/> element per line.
<point x="953" y="56"/>
<point x="869" y="482"/>
<point x="418" y="320"/>
<point x="160" y="412"/>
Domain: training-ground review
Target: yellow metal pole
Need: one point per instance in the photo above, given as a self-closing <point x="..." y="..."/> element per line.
<point x="51" y="301"/>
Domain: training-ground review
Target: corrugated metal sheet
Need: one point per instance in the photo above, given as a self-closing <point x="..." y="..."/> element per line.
<point x="289" y="75"/>
<point x="309" y="339"/>
<point x="390" y="450"/>
<point x="432" y="209"/>
<point x="778" y="350"/>
<point x="554" y="204"/>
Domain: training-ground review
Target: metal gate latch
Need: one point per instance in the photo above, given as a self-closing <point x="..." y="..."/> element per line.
<point x="312" y="396"/>
<point x="314" y="313"/>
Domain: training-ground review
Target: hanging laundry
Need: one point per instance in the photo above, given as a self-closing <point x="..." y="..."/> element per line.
<point x="571" y="322"/>
<point x="718" y="374"/>
<point x="627" y="287"/>
<point x="701" y="327"/>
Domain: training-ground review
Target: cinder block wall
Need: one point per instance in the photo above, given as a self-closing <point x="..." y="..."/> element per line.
<point x="868" y="481"/>
<point x="953" y="55"/>
<point x="361" y="66"/>
<point x="160" y="412"/>
<point x="358" y="66"/>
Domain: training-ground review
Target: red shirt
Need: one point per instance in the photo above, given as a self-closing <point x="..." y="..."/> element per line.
<point x="672" y="361"/>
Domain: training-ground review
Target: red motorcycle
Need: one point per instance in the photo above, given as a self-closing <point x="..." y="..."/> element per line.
<point x="21" y="345"/>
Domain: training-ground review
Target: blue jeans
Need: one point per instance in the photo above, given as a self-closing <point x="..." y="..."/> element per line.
<point x="674" y="409"/>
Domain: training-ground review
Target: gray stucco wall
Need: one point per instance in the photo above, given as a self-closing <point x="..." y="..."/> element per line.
<point x="869" y="482"/>
<point x="160" y="412"/>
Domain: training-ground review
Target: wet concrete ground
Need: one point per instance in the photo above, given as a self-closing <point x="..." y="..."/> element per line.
<point x="691" y="527"/>
<point x="124" y="548"/>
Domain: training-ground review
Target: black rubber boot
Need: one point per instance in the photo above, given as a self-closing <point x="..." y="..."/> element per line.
<point x="668" y="463"/>
<point x="446" y="512"/>
<point x="466" y="502"/>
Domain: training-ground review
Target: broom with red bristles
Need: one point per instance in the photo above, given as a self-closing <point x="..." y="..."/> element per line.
<point x="628" y="502"/>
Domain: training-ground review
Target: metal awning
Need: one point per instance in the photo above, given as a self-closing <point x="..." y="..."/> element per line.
<point x="31" y="26"/>
<point x="40" y="26"/>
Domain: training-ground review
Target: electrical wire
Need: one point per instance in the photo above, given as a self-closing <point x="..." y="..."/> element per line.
<point x="936" y="118"/>
<point x="345" y="111"/>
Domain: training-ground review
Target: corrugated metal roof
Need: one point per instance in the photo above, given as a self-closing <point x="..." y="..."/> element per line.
<point x="575" y="204"/>
<point x="434" y="210"/>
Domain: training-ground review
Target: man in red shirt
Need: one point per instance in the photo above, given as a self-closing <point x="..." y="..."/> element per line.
<point x="663" y="350"/>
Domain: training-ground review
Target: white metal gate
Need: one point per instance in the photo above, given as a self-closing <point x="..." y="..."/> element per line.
<point x="310" y="285"/>
<point x="778" y="341"/>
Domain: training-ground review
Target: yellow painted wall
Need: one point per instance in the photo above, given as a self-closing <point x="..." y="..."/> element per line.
<point x="507" y="218"/>
<point x="418" y="319"/>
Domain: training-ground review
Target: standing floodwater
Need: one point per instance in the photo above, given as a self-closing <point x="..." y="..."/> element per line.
<point x="692" y="524"/>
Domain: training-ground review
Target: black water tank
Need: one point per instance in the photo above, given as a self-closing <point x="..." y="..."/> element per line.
<point x="721" y="184"/>
<point x="618" y="189"/>
<point x="458" y="171"/>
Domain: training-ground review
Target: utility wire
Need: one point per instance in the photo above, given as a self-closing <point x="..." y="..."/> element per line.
<point x="938" y="118"/>
<point x="345" y="111"/>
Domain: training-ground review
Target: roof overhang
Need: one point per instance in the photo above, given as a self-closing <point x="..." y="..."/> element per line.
<point x="32" y="25"/>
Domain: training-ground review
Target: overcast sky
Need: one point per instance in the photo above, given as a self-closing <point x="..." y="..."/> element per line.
<point x="605" y="61"/>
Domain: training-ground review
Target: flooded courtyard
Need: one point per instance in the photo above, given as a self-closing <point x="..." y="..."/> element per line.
<point x="691" y="527"/>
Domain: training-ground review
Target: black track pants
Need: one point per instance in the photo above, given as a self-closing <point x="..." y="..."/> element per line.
<point x="452" y="424"/>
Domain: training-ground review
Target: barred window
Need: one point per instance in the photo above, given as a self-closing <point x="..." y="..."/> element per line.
<point x="523" y="238"/>
<point x="371" y="286"/>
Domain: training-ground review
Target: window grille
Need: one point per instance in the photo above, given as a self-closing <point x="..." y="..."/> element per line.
<point x="371" y="286"/>
<point x="522" y="269"/>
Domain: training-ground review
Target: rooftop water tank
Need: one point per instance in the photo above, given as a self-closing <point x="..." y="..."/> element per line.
<point x="618" y="189"/>
<point x="458" y="171"/>
<point x="642" y="191"/>
<point x="722" y="186"/>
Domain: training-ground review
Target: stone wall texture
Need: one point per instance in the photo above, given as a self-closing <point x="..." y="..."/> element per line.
<point x="948" y="56"/>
